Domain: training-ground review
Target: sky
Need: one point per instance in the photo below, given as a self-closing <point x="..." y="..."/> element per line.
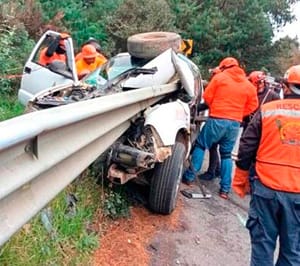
<point x="291" y="30"/>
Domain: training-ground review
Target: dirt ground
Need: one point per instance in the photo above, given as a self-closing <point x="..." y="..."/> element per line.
<point x="199" y="232"/>
<point x="211" y="232"/>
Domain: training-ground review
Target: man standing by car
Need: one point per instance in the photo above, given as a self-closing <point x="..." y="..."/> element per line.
<point x="272" y="139"/>
<point x="230" y="97"/>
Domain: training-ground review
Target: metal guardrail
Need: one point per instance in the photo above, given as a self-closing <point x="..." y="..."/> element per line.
<point x="42" y="152"/>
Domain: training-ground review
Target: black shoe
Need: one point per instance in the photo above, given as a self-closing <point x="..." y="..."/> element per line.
<point x="206" y="176"/>
<point x="218" y="173"/>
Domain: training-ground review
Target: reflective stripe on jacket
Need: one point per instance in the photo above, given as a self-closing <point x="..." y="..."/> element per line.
<point x="278" y="155"/>
<point x="230" y="95"/>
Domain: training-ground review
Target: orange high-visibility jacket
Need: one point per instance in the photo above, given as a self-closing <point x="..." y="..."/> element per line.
<point x="278" y="155"/>
<point x="230" y="95"/>
<point x="46" y="60"/>
<point x="101" y="57"/>
<point x="83" y="68"/>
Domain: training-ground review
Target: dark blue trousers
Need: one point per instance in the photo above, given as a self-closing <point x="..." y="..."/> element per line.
<point x="274" y="214"/>
<point x="214" y="161"/>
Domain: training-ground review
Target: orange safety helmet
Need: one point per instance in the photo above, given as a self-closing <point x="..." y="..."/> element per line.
<point x="228" y="62"/>
<point x="256" y="77"/>
<point x="88" y="51"/>
<point x="292" y="77"/>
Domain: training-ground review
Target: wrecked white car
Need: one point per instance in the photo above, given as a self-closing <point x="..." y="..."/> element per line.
<point x="154" y="148"/>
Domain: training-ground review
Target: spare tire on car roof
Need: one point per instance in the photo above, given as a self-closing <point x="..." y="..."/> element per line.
<point x="150" y="44"/>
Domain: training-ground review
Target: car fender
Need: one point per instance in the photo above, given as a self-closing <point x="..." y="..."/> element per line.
<point x="168" y="119"/>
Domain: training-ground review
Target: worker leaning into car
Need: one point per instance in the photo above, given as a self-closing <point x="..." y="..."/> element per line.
<point x="230" y="96"/>
<point x="89" y="61"/>
<point x="96" y="44"/>
<point x="56" y="51"/>
<point x="264" y="93"/>
<point x="272" y="139"/>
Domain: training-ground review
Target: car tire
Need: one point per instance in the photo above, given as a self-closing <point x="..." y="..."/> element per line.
<point x="150" y="44"/>
<point x="166" y="180"/>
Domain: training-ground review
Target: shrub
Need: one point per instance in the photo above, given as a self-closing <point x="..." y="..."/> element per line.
<point x="115" y="204"/>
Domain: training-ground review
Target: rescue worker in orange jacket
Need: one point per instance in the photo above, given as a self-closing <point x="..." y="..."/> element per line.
<point x="230" y="96"/>
<point x="272" y="139"/>
<point x="264" y="93"/>
<point x="56" y="51"/>
<point x="97" y="46"/>
<point x="89" y="61"/>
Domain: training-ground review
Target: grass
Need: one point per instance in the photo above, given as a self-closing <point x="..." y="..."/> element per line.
<point x="67" y="231"/>
<point x="68" y="238"/>
<point x="9" y="107"/>
<point x="62" y="234"/>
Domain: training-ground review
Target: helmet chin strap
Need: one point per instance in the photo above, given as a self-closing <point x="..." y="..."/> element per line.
<point x="295" y="88"/>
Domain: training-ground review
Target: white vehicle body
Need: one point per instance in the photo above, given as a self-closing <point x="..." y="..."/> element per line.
<point x="37" y="77"/>
<point x="165" y="130"/>
<point x="165" y="71"/>
<point x="168" y="119"/>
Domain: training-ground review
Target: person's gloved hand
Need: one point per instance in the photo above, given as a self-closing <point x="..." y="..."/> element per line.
<point x="240" y="184"/>
<point x="83" y="73"/>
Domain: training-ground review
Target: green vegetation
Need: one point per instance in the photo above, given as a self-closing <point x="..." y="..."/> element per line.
<point x="115" y="204"/>
<point x="9" y="107"/>
<point x="219" y="28"/>
<point x="67" y="236"/>
<point x="68" y="229"/>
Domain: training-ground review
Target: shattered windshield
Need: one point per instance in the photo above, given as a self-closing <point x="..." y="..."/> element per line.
<point x="113" y="68"/>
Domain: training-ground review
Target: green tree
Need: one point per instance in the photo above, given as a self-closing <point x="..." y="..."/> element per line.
<point x="220" y="28"/>
<point x="287" y="53"/>
<point x="278" y="10"/>
<point x="82" y="19"/>
<point x="139" y="16"/>
<point x="15" y="45"/>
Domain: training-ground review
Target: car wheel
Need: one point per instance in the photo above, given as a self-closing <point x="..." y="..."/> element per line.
<point x="166" y="180"/>
<point x="150" y="44"/>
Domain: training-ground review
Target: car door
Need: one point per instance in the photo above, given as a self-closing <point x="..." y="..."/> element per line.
<point x="37" y="77"/>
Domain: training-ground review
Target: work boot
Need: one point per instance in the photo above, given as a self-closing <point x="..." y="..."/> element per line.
<point x="207" y="176"/>
<point x="223" y="194"/>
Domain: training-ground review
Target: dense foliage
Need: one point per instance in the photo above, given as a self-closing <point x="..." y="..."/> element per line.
<point x="139" y="16"/>
<point x="218" y="27"/>
<point x="243" y="29"/>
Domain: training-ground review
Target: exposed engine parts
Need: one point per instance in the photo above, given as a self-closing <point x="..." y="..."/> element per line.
<point x="141" y="152"/>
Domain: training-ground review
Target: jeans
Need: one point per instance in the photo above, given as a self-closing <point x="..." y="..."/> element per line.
<point x="215" y="131"/>
<point x="274" y="214"/>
